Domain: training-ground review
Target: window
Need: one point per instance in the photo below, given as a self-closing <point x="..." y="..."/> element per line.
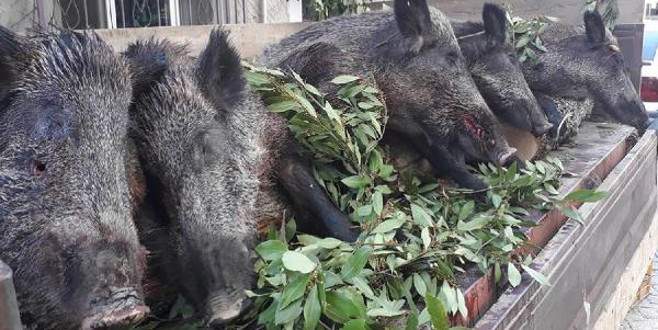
<point x="102" y="14"/>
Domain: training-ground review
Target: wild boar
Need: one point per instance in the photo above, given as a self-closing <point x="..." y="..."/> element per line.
<point x="496" y="69"/>
<point x="217" y="164"/>
<point x="415" y="59"/>
<point x="584" y="63"/>
<point x="66" y="226"/>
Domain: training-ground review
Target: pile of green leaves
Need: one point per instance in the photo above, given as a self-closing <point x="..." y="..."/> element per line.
<point x="417" y="235"/>
<point x="319" y="10"/>
<point x="526" y="35"/>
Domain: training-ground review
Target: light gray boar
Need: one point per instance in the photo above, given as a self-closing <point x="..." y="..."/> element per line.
<point x="66" y="226"/>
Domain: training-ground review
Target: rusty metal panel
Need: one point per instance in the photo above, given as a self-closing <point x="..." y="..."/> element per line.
<point x="631" y="41"/>
<point x="584" y="262"/>
<point x="592" y="156"/>
<point x="9" y="316"/>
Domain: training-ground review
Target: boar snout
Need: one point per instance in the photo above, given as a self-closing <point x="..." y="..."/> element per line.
<point x="224" y="307"/>
<point x="542" y="129"/>
<point x="505" y="155"/>
<point x="638" y="114"/>
<point x="122" y="308"/>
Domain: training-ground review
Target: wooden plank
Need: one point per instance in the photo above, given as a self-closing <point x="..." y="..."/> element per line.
<point x="595" y="152"/>
<point x="585" y="263"/>
<point x="631" y="41"/>
<point x="626" y="291"/>
<point x="9" y="316"/>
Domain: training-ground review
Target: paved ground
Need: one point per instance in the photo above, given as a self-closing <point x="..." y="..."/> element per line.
<point x="644" y="315"/>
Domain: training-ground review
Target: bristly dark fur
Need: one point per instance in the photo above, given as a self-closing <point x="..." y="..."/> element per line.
<point x="494" y="18"/>
<point x="149" y="59"/>
<point x="492" y="61"/>
<point x="585" y="63"/>
<point x="227" y="74"/>
<point x="474" y="46"/>
<point x="69" y="57"/>
<point x="467" y="28"/>
<point x="413" y="17"/>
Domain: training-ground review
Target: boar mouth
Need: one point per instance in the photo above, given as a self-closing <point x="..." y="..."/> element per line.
<point x="505" y="156"/>
<point x="223" y="307"/>
<point x="542" y="129"/>
<point x="123" y="308"/>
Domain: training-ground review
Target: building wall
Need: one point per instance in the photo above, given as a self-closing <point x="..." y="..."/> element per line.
<point x="250" y="39"/>
<point x="569" y="11"/>
<point x="17" y="15"/>
<point x="20" y="15"/>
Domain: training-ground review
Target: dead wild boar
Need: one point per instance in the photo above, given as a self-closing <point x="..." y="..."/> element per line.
<point x="217" y="164"/>
<point x="416" y="61"/>
<point x="581" y="73"/>
<point x="496" y="70"/>
<point x="583" y="63"/>
<point x="203" y="165"/>
<point x="66" y="227"/>
<point x="199" y="172"/>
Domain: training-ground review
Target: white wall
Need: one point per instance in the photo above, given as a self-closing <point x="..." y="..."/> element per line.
<point x="16" y="14"/>
<point x="294" y="10"/>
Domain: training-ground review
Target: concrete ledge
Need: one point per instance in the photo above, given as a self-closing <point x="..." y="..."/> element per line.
<point x="250" y="39"/>
<point x="9" y="317"/>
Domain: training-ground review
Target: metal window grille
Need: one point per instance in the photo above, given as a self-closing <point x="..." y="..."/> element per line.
<point x="99" y="14"/>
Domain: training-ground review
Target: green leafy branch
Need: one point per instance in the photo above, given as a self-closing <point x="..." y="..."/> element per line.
<point x="526" y="35"/>
<point x="417" y="235"/>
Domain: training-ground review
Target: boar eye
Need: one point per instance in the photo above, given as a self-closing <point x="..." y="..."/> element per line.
<point x="38" y="168"/>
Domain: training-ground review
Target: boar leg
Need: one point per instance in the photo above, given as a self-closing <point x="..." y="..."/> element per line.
<point x="552" y="113"/>
<point x="451" y="164"/>
<point x="318" y="213"/>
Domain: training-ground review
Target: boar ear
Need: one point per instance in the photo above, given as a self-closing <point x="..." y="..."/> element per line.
<point x="70" y="38"/>
<point x="220" y="71"/>
<point x="10" y="49"/>
<point x="148" y="63"/>
<point x="414" y="21"/>
<point x="594" y="27"/>
<point x="495" y="23"/>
